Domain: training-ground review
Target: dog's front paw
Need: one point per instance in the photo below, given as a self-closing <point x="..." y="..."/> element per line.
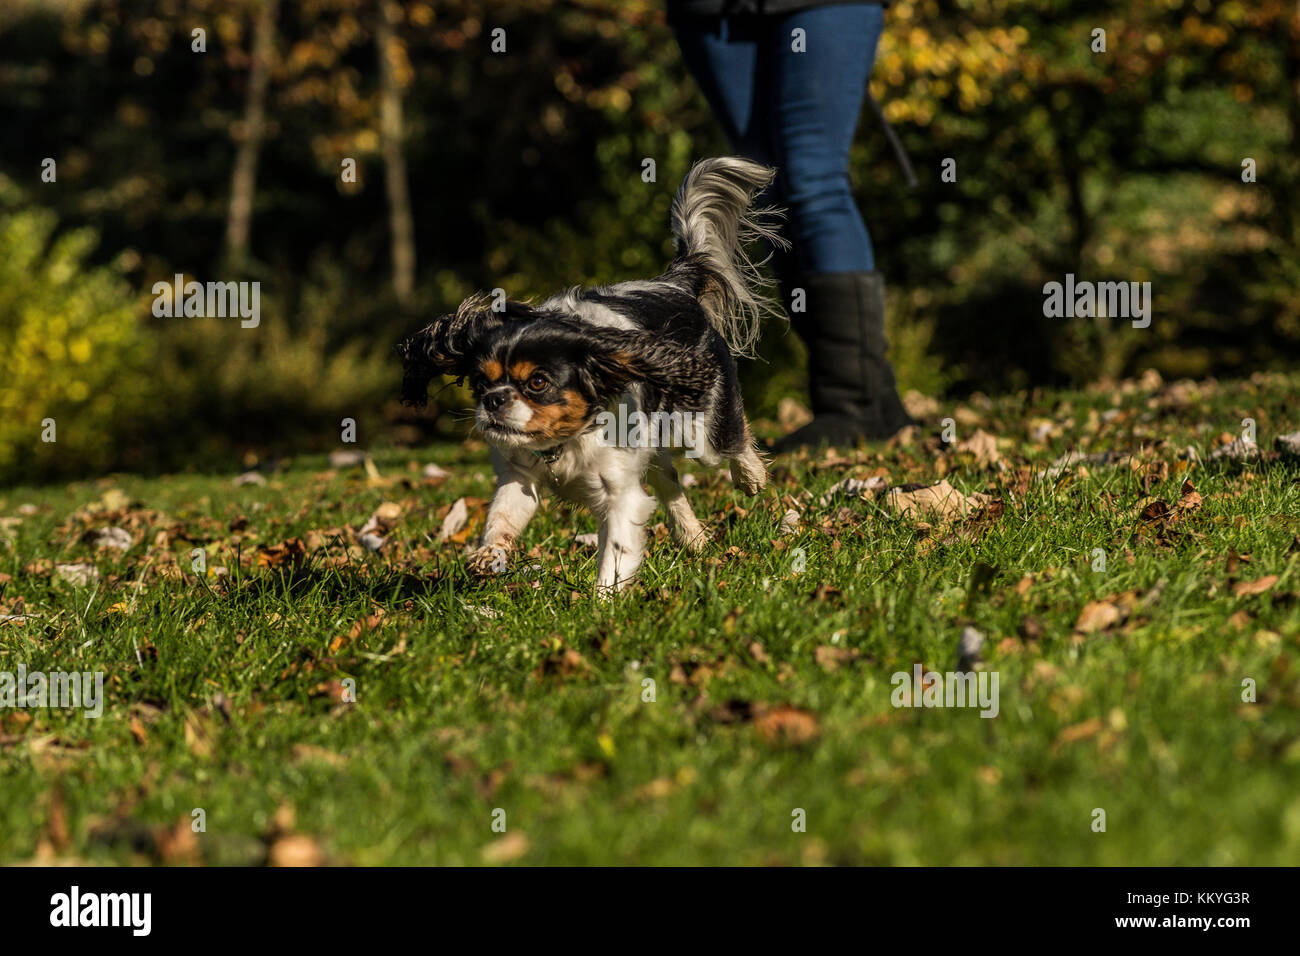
<point x="693" y="539"/>
<point x="485" y="561"/>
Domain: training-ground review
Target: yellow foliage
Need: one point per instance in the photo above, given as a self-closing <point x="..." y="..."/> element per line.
<point x="76" y="356"/>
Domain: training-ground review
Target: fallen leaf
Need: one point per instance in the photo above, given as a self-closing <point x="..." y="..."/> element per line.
<point x="294" y="849"/>
<point x="177" y="844"/>
<point x="785" y="724"/>
<point x="919" y="405"/>
<point x="1154" y="511"/>
<point x="78" y="575"/>
<point x="1251" y="588"/>
<point x="138" y="732"/>
<point x="115" y="538"/>
<point x="198" y="737"/>
<point x="1096" y="616"/>
<point x="829" y="657"/>
<point x="310" y="753"/>
<point x="509" y="848"/>
<point x="871" y="487"/>
<point x="983" y="446"/>
<point x="115" y="499"/>
<point x="1080" y="731"/>
<point x="1190" y="500"/>
<point x="940" y="501"/>
<point x="291" y="552"/>
<point x="347" y="458"/>
<point x="1236" y="450"/>
<point x="1288" y="444"/>
<point x="456" y="520"/>
<point x="791" y="414"/>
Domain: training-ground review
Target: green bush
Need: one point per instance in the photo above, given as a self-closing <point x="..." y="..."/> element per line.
<point x="76" y="356"/>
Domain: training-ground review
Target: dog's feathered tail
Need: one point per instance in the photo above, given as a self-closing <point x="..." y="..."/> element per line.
<point x="713" y="217"/>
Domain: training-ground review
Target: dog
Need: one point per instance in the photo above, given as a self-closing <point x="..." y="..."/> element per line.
<point x="548" y="379"/>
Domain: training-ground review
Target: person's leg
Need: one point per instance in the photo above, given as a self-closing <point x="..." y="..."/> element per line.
<point x="731" y="61"/>
<point x="818" y="95"/>
<point x="725" y="57"/>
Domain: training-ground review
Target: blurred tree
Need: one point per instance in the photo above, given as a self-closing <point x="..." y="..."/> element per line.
<point x="392" y="56"/>
<point x="249" y="134"/>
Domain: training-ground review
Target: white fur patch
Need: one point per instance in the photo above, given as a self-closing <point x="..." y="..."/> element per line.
<point x="514" y="414"/>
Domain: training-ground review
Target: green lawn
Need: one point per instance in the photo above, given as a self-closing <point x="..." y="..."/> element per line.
<point x="771" y="657"/>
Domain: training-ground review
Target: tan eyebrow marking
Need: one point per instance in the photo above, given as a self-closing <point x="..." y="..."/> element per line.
<point x="521" y="370"/>
<point x="491" y="369"/>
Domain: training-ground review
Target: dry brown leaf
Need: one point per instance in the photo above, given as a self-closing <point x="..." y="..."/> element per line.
<point x="1096" y="616"/>
<point x="291" y="552"/>
<point x="1080" y="731"/>
<point x="360" y="626"/>
<point x="1154" y="511"/>
<point x="791" y="414"/>
<point x="456" y="520"/>
<point x="308" y="753"/>
<point x="1190" y="500"/>
<point x="983" y="446"/>
<point x="919" y="405"/>
<point x="941" y="501"/>
<point x="509" y="848"/>
<point x="1251" y="588"/>
<point x="177" y="844"/>
<point x="829" y="657"/>
<point x="198" y="736"/>
<point x="295" y="849"/>
<point x="138" y="732"/>
<point x="785" y="724"/>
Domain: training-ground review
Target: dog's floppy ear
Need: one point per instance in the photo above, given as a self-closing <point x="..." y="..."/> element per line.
<point x="447" y="346"/>
<point x="421" y="364"/>
<point x="619" y="357"/>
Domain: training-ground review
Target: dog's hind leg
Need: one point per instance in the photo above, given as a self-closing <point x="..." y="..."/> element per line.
<point x="748" y="470"/>
<point x="686" y="529"/>
<point x="622" y="537"/>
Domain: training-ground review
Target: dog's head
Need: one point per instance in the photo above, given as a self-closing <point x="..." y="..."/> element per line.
<point x="542" y="384"/>
<point x="539" y="377"/>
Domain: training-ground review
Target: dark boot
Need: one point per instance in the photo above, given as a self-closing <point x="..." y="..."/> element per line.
<point x="850" y="381"/>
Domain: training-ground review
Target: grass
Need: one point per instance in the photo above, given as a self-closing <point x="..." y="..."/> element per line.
<point x="771" y="657"/>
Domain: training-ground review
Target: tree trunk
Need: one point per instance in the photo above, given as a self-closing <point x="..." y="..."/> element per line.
<point x="243" y="182"/>
<point x="1289" y="185"/>
<point x="400" y="223"/>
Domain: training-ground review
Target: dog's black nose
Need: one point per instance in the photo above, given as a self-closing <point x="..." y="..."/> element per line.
<point x="495" y="399"/>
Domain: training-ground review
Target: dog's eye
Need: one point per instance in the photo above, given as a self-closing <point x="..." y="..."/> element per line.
<point x="538" y="382"/>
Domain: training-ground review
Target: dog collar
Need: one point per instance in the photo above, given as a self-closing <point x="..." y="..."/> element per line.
<point x="550" y="455"/>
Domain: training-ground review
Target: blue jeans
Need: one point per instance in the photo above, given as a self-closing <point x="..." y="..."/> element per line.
<point x="795" y="111"/>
